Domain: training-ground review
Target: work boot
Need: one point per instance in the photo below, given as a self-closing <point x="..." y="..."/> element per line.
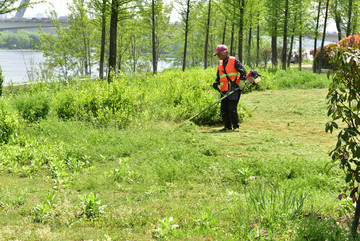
<point x="225" y="130"/>
<point x="236" y="129"/>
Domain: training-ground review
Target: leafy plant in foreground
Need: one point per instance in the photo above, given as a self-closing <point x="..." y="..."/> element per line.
<point x="167" y="226"/>
<point x="274" y="206"/>
<point x="8" y="122"/>
<point x="344" y="105"/>
<point x="311" y="228"/>
<point x="1" y="81"/>
<point x="92" y="206"/>
<point x="41" y="210"/>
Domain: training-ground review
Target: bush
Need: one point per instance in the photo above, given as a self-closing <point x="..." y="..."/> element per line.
<point x="312" y="228"/>
<point x="1" y="81"/>
<point x="33" y="107"/>
<point x="168" y="96"/>
<point x="290" y="79"/>
<point x="8" y="122"/>
<point x="64" y="106"/>
<point x="330" y="49"/>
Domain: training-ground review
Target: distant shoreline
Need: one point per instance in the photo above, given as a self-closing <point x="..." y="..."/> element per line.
<point x="19" y="50"/>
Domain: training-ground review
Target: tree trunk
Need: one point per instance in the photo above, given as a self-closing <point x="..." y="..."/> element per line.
<point x="316" y="34"/>
<point x="300" y="50"/>
<point x="113" y="38"/>
<point x="355" y="222"/>
<point x="241" y="30"/>
<point x="224" y="33"/>
<point x="284" y="50"/>
<point x="186" y="33"/>
<point x="323" y="37"/>
<point x="348" y="28"/>
<point x="337" y="19"/>
<point x="153" y="23"/>
<point x="103" y="39"/>
<point x="207" y="36"/>
<point x="258" y="44"/>
<point x="249" y="45"/>
<point x="232" y="39"/>
<point x="89" y="56"/>
<point x="274" y="55"/>
<point x="290" y="50"/>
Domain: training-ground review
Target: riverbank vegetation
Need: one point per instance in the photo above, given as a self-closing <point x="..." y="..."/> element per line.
<point x="88" y="159"/>
<point x="22" y="39"/>
<point x="142" y="33"/>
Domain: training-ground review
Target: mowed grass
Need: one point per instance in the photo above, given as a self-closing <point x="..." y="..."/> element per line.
<point x="160" y="180"/>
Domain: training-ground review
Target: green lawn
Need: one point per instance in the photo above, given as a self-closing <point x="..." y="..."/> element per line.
<point x="162" y="181"/>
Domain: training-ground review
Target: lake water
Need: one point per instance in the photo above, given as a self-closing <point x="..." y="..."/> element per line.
<point x="15" y="63"/>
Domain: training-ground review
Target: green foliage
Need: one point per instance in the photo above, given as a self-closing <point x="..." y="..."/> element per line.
<point x="33" y="107"/>
<point x="42" y="210"/>
<point x="20" y="40"/>
<point x="273" y="78"/>
<point x="313" y="228"/>
<point x="2" y="79"/>
<point x="343" y="105"/>
<point x="92" y="206"/>
<point x="123" y="172"/>
<point x="167" y="227"/>
<point x="328" y="52"/>
<point x="8" y="121"/>
<point x="343" y="99"/>
<point x="272" y="207"/>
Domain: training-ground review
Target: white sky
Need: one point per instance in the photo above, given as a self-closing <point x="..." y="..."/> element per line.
<point x="61" y="7"/>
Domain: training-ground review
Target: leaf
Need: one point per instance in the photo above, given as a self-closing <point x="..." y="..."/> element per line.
<point x="348" y="177"/>
<point x="335" y="125"/>
<point x="357" y="153"/>
<point x="345" y="137"/>
<point x="352" y="145"/>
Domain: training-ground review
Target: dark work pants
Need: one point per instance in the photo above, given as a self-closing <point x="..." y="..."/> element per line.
<point x="229" y="112"/>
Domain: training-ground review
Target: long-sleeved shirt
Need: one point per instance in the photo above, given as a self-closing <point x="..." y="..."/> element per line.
<point x="238" y="66"/>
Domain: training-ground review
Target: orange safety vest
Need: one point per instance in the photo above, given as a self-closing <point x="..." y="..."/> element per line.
<point x="231" y="72"/>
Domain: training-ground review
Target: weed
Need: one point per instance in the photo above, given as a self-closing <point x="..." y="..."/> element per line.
<point x="41" y="211"/>
<point x="123" y="172"/>
<point x="313" y="228"/>
<point x="167" y="227"/>
<point x="208" y="220"/>
<point x="92" y="206"/>
<point x="276" y="207"/>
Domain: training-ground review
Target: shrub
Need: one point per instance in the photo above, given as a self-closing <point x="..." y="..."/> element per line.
<point x="280" y="79"/>
<point x="330" y="49"/>
<point x="311" y="228"/>
<point x="344" y="105"/>
<point x="33" y="107"/>
<point x="1" y="81"/>
<point x="64" y="106"/>
<point x="92" y="206"/>
<point x="8" y="122"/>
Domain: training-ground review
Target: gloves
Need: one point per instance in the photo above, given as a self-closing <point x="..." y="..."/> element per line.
<point x="215" y="85"/>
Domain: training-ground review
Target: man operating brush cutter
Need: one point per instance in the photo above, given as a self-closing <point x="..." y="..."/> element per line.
<point x="231" y="78"/>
